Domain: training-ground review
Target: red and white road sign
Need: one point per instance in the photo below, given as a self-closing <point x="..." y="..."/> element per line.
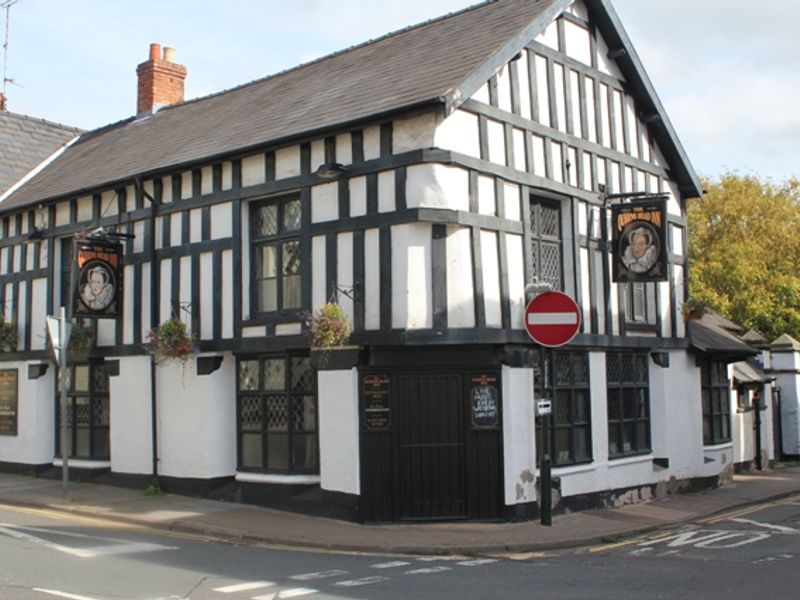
<point x="552" y="319"/>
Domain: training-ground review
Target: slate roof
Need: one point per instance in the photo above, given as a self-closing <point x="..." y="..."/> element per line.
<point x="716" y="342"/>
<point x="745" y="372"/>
<point x="25" y="142"/>
<point x="440" y="62"/>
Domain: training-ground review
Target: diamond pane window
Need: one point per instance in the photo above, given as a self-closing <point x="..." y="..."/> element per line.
<point x="277" y="254"/>
<point x="716" y="403"/>
<point x="278" y="420"/>
<point x="88" y="412"/>
<point x="546" y="243"/>
<point x="628" y="399"/>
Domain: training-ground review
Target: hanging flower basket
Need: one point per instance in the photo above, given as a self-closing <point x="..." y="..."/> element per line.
<point x="8" y="335"/>
<point x="329" y="331"/>
<point x="693" y="309"/>
<point x="171" y="341"/>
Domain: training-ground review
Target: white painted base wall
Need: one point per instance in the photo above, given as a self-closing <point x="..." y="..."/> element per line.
<point x="519" y="443"/>
<point x="34" y="443"/>
<point x="340" y="463"/>
<point x="131" y="439"/>
<point x="196" y="420"/>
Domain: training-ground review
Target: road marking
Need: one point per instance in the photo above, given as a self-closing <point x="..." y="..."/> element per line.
<point x="319" y="575"/>
<point x="295" y="592"/>
<point x="265" y="596"/>
<point x="439" y="569"/>
<point x="362" y="581"/>
<point x="773" y="558"/>
<point x="243" y="587"/>
<point x="476" y="562"/>
<point x="778" y="528"/>
<point x="390" y="565"/>
<point x="117" y="546"/>
<point x="62" y="594"/>
<point x="709" y="538"/>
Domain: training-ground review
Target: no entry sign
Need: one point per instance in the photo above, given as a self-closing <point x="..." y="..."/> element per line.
<point x="552" y="319"/>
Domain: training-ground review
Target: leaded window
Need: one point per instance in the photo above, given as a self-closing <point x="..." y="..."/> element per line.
<point x="88" y="412"/>
<point x="277" y="414"/>
<point x="628" y="404"/>
<point x="638" y="303"/>
<point x="563" y="378"/>
<point x="277" y="259"/>
<point x="546" y="259"/>
<point x="716" y="403"/>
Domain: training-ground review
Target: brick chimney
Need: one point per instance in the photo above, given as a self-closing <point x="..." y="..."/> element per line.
<point x="2" y="102"/>
<point x="160" y="81"/>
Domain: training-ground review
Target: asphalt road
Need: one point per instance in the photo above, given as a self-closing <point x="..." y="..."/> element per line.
<point x="752" y="553"/>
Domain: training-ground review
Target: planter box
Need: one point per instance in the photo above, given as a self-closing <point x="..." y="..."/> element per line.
<point x="336" y="358"/>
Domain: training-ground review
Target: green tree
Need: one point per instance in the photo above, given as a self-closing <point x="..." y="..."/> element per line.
<point x="744" y="248"/>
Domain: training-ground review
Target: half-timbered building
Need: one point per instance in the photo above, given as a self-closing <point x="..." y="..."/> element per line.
<point x="424" y="181"/>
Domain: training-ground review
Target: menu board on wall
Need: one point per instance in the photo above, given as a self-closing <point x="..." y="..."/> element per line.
<point x="8" y="402"/>
<point x="484" y="400"/>
<point x="377" y="410"/>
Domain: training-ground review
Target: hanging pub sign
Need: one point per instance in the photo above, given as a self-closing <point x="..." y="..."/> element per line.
<point x="639" y="241"/>
<point x="98" y="293"/>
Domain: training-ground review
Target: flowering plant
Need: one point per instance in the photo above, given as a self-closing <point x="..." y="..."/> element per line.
<point x="170" y="341"/>
<point x="81" y="339"/>
<point x="8" y="335"/>
<point x="329" y="326"/>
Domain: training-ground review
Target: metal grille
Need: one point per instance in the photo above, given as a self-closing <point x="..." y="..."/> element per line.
<point x="266" y="220"/>
<point x="303" y="374"/>
<point x="277" y="417"/>
<point x="580" y="369"/>
<point x="250" y="413"/>
<point x="563" y="369"/>
<point x="249" y="376"/>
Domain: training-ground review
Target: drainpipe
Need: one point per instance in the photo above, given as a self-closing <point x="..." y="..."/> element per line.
<point x="153" y="307"/>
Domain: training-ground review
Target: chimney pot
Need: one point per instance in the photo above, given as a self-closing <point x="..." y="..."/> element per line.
<point x="2" y="102"/>
<point x="160" y="81"/>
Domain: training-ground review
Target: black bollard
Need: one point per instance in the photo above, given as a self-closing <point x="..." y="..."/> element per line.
<point x="545" y="492"/>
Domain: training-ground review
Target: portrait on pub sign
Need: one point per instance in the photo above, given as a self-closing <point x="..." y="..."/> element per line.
<point x="99" y="285"/>
<point x="639" y="243"/>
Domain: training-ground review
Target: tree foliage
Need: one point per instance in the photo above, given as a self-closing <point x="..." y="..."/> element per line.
<point x="744" y="248"/>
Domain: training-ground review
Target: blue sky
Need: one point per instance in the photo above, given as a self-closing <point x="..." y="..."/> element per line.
<point x="724" y="69"/>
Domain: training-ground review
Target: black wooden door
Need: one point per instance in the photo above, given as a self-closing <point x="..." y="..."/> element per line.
<point x="430" y="477"/>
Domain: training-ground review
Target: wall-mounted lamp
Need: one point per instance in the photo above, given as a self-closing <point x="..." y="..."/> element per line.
<point x="331" y="170"/>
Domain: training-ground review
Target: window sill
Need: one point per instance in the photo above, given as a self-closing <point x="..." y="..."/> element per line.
<point x="574" y="469"/>
<point x="79" y="463"/>
<point x="635" y="459"/>
<point x="243" y="477"/>
<point x="728" y="445"/>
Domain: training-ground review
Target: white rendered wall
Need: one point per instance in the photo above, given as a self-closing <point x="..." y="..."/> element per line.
<point x="437" y="186"/>
<point x="460" y="288"/>
<point x="412" y="297"/>
<point x="338" y="431"/>
<point x="518" y="436"/>
<point x="789" y="384"/>
<point x="131" y="440"/>
<point x="34" y="443"/>
<point x="196" y="420"/>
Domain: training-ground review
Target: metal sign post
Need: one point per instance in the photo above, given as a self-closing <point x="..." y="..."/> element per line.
<point x="59" y="331"/>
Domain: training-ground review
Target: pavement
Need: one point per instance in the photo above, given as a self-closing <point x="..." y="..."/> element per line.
<point x="239" y="523"/>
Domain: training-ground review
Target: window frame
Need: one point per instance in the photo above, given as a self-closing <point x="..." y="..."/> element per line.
<point x="290" y="434"/>
<point x="616" y="393"/>
<point x="92" y="394"/>
<point x="280" y="240"/>
<point x="715" y="403"/>
<point x="537" y="239"/>
<point x="549" y="386"/>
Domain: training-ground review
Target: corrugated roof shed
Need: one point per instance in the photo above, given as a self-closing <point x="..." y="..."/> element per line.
<point x="25" y="142"/>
